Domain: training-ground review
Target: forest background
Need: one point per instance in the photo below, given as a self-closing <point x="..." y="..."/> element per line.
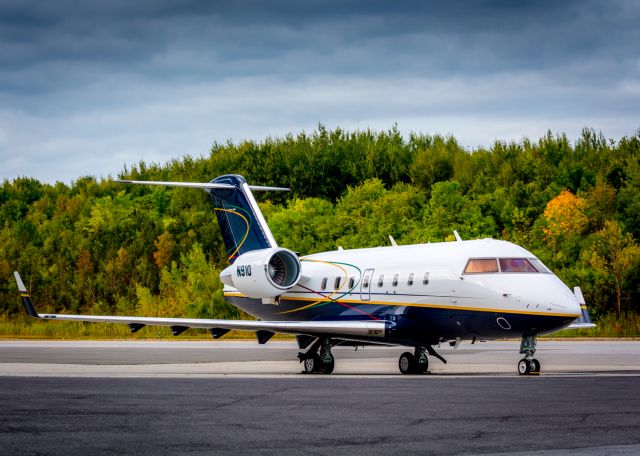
<point x="100" y="247"/>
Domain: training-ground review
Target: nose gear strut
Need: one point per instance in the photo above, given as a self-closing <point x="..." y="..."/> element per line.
<point x="528" y="365"/>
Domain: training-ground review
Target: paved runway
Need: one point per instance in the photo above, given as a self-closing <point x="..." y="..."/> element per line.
<point x="240" y="358"/>
<point x="241" y="398"/>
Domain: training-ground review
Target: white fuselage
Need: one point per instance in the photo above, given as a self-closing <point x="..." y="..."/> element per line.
<point x="432" y="275"/>
<point x="428" y="292"/>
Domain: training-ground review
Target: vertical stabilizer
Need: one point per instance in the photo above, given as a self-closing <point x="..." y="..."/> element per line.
<point x="242" y="224"/>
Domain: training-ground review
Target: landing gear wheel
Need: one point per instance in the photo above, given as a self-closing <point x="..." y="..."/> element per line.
<point x="327" y="366"/>
<point x="535" y="366"/>
<point x="524" y="367"/>
<point x="407" y="364"/>
<point x="312" y="364"/>
<point x="422" y="367"/>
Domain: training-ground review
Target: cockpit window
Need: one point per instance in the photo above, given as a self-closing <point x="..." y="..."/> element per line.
<point x="539" y="266"/>
<point x="507" y="265"/>
<point x="481" y="265"/>
<point x="516" y="265"/>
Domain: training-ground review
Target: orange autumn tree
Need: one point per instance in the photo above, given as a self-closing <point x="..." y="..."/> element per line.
<point x="564" y="216"/>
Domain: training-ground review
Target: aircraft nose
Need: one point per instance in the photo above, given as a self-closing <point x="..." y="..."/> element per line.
<point x="564" y="299"/>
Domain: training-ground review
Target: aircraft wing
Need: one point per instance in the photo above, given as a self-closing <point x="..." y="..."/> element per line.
<point x="264" y="329"/>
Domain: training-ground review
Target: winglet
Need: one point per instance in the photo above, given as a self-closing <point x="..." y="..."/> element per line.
<point x="584" y="321"/>
<point x="26" y="298"/>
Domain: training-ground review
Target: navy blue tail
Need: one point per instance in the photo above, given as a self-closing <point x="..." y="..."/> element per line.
<point x="241" y="222"/>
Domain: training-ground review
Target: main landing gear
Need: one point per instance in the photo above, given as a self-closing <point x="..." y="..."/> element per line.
<point x="418" y="361"/>
<point x="318" y="363"/>
<point x="528" y="365"/>
<point x="318" y="359"/>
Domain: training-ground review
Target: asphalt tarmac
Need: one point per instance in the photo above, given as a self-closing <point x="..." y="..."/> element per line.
<point x="240" y="398"/>
<point x="278" y="358"/>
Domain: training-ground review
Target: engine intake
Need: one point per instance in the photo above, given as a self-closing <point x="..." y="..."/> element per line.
<point x="265" y="273"/>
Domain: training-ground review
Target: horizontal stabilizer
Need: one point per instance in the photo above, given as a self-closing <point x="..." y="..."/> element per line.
<point x="203" y="185"/>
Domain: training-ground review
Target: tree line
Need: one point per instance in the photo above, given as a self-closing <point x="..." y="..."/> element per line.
<point x="99" y="246"/>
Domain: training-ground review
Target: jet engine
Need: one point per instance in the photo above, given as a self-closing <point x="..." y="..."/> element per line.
<point x="265" y="273"/>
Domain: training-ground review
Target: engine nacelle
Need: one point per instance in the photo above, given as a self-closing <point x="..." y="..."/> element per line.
<point x="265" y="273"/>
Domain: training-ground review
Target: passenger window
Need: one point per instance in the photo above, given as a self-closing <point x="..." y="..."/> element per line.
<point x="351" y="283"/>
<point x="481" y="265"/>
<point x="365" y="284"/>
<point x="323" y="285"/>
<point x="410" y="281"/>
<point x="336" y="284"/>
<point x="395" y="280"/>
<point x="425" y="280"/>
<point x="381" y="280"/>
<point x="516" y="265"/>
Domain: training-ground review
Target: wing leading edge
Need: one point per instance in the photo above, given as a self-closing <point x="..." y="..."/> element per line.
<point x="343" y="329"/>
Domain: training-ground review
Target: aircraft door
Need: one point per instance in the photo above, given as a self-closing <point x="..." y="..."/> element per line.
<point x="365" y="285"/>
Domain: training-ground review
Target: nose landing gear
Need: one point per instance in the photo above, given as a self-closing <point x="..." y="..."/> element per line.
<point x="528" y="365"/>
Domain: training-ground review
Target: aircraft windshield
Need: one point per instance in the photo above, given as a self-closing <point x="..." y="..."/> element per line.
<point x="506" y="265"/>
<point x="516" y="265"/>
<point x="481" y="265"/>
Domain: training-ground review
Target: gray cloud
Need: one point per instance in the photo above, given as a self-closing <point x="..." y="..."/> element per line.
<point x="88" y="86"/>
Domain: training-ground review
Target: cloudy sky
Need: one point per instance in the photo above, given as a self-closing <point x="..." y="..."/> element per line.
<point x="87" y="86"/>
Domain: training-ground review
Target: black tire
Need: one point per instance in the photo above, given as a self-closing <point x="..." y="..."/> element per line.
<point x="312" y="364"/>
<point x="327" y="366"/>
<point x="524" y="367"/>
<point x="407" y="364"/>
<point x="535" y="366"/>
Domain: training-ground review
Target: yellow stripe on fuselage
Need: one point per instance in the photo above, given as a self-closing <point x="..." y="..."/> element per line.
<point x="410" y="304"/>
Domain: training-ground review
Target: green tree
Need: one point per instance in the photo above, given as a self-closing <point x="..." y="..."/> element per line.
<point x="613" y="254"/>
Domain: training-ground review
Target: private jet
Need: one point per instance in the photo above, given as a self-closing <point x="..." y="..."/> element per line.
<point x="418" y="296"/>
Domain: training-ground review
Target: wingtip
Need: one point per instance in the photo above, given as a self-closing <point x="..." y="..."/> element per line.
<point x="26" y="298"/>
<point x="20" y="283"/>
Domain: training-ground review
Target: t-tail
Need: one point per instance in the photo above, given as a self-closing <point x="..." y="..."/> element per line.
<point x="242" y="224"/>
